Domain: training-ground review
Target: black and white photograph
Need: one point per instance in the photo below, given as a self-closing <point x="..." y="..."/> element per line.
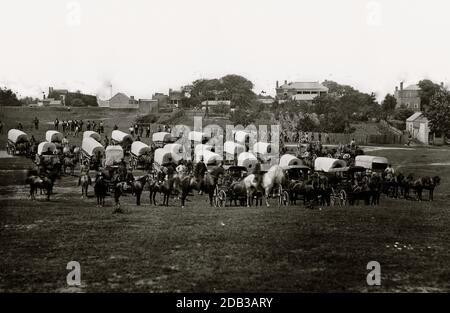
<point x="250" y="147"/>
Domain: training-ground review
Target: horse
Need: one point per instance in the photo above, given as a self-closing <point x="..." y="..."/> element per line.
<point x="153" y="188"/>
<point x="165" y="185"/>
<point x="138" y="186"/>
<point x="375" y="187"/>
<point x="131" y="185"/>
<point x="100" y="189"/>
<point x="45" y="182"/>
<point x="84" y="181"/>
<point x="70" y="163"/>
<point x="425" y="183"/>
<point x="274" y="177"/>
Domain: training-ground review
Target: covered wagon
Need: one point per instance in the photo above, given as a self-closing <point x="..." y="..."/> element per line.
<point x="265" y="151"/>
<point x="242" y="137"/>
<point x="54" y="136"/>
<point x="122" y="139"/>
<point x="92" y="152"/>
<point x="209" y="158"/>
<point x="159" y="139"/>
<point x="371" y="162"/>
<point x="18" y="142"/>
<point x="46" y="147"/>
<point x="248" y="160"/>
<point x="176" y="149"/>
<point x="140" y="155"/>
<point x="200" y="148"/>
<point x="231" y="151"/>
<point x="92" y="134"/>
<point x="328" y="164"/>
<point x="163" y="157"/>
<point x="113" y="155"/>
<point x="46" y="157"/>
<point x="288" y="160"/>
<point x="196" y="136"/>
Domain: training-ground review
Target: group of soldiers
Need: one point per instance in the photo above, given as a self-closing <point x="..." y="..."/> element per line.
<point x="74" y="127"/>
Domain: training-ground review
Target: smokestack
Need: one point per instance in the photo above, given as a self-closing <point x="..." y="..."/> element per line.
<point x="401" y="86"/>
<point x="396" y="88"/>
<point x="285" y="82"/>
<point x="277" y="84"/>
<point x="442" y="85"/>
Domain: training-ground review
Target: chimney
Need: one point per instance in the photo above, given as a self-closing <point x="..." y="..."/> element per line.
<point x="396" y="88"/>
<point x="401" y="86"/>
<point x="285" y="82"/>
<point x="277" y="84"/>
<point x="442" y="85"/>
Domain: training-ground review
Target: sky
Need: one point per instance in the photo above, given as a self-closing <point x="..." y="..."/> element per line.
<point x="142" y="46"/>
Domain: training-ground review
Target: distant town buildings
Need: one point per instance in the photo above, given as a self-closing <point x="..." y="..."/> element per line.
<point x="67" y="98"/>
<point x="418" y="126"/>
<point x="408" y="97"/>
<point x="300" y="91"/>
<point x="122" y="101"/>
<point x="147" y="106"/>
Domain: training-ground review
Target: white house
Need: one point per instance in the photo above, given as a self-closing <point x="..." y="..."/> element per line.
<point x="418" y="126"/>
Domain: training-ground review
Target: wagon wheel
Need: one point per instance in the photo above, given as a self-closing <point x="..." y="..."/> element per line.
<point x="221" y="199"/>
<point x="283" y="199"/>
<point x="343" y="197"/>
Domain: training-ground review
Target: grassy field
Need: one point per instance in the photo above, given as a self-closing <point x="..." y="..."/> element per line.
<point x="158" y="249"/>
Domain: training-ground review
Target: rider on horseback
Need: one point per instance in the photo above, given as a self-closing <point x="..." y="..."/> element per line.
<point x="199" y="172"/>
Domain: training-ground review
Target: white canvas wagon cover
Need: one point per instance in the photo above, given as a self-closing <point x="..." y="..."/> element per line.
<point x="176" y="149"/>
<point x="231" y="147"/>
<point x="209" y="158"/>
<point x="161" y="137"/>
<point x="91" y="146"/>
<point x="288" y="160"/>
<point x="247" y="159"/>
<point x="263" y="148"/>
<point x="53" y="136"/>
<point x="92" y="134"/>
<point x="201" y="148"/>
<point x="139" y="148"/>
<point x="163" y="156"/>
<point x="241" y="136"/>
<point x="370" y="161"/>
<point x="113" y="154"/>
<point x="17" y="136"/>
<point x="197" y="136"/>
<point x="326" y="164"/>
<point x="44" y="146"/>
<point x="119" y="136"/>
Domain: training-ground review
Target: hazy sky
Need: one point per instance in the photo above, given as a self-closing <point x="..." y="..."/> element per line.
<point x="143" y="47"/>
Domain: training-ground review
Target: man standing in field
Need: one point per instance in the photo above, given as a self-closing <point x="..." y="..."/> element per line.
<point x="36" y="123"/>
<point x="147" y="133"/>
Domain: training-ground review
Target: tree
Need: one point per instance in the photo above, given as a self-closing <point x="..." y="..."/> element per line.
<point x="231" y="87"/>
<point x="8" y="98"/>
<point x="427" y="91"/>
<point x="242" y="117"/>
<point x="389" y="103"/>
<point x="78" y="103"/>
<point x="438" y="113"/>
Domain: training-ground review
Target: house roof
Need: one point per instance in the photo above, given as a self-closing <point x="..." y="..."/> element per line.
<point x="413" y="87"/>
<point x="304" y="85"/>
<point x="120" y="94"/>
<point x="414" y="117"/>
